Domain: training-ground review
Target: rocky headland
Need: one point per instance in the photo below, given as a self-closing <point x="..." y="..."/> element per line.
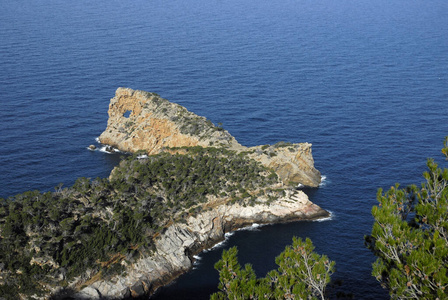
<point x="187" y="184"/>
<point x="139" y="120"/>
<point x="142" y="121"/>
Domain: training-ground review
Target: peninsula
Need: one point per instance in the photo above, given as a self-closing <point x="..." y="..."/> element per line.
<point x="186" y="184"/>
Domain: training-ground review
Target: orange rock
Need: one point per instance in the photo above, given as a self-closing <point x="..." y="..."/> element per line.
<point x="139" y="120"/>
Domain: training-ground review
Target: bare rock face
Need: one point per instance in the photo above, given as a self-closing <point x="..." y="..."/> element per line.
<point x="293" y="163"/>
<point x="140" y="120"/>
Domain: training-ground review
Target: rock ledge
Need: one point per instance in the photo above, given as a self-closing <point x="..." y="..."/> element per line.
<point x="181" y="241"/>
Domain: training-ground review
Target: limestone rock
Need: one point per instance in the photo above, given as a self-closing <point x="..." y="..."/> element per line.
<point x="89" y="293"/>
<point x="177" y="245"/>
<point x="140" y="120"/>
<point x="293" y="163"/>
<point x="144" y="121"/>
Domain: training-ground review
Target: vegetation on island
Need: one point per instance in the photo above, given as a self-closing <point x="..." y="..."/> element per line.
<point x="410" y="237"/>
<point x="90" y="230"/>
<point x="301" y="274"/>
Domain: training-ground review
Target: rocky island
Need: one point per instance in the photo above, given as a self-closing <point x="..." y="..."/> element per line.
<point x="187" y="183"/>
<point x="139" y="120"/>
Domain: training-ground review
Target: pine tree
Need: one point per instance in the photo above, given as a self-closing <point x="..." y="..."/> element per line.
<point x="302" y="274"/>
<point x="410" y="237"/>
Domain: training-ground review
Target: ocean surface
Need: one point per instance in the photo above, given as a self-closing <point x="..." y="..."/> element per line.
<point x="366" y="82"/>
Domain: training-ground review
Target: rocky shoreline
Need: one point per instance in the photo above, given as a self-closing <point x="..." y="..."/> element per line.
<point x="180" y="242"/>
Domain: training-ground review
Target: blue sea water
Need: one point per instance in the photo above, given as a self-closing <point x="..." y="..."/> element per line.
<point x="366" y="82"/>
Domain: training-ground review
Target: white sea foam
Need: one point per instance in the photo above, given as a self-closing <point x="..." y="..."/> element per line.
<point x="197" y="257"/>
<point x="323" y="181"/>
<point x="228" y="234"/>
<point x="197" y="260"/>
<point x="103" y="149"/>
<point x="114" y="150"/>
<point x="331" y="217"/>
<point x="253" y="227"/>
<point x="218" y="245"/>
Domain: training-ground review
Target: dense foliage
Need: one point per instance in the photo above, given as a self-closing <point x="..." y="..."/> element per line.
<point x="410" y="237"/>
<point x="302" y="274"/>
<point x="91" y="227"/>
<point x="188" y="179"/>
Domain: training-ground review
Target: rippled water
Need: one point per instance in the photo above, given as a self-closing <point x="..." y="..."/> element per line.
<point x="365" y="81"/>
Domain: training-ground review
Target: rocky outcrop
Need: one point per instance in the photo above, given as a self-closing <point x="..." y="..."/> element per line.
<point x="293" y="163"/>
<point x="177" y="245"/>
<point x="140" y="120"/>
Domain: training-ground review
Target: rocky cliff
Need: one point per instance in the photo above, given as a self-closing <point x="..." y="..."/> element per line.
<point x="140" y="120"/>
<point x="293" y="163"/>
<point x="181" y="241"/>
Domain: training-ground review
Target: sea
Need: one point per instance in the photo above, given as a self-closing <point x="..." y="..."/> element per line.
<point x="366" y="82"/>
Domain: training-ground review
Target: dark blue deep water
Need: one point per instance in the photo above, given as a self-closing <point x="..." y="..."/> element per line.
<point x="366" y="82"/>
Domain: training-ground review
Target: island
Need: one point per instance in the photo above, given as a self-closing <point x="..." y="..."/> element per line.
<point x="184" y="184"/>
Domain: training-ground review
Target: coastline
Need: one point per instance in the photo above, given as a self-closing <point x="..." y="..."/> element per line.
<point x="178" y="245"/>
<point x="187" y="184"/>
<point x="217" y="242"/>
<point x="142" y="121"/>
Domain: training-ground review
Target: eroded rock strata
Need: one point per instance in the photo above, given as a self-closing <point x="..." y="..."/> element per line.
<point x="178" y="244"/>
<point x="140" y="120"/>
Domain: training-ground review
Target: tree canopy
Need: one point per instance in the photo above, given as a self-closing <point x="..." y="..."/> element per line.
<point x="410" y="237"/>
<point x="301" y="274"/>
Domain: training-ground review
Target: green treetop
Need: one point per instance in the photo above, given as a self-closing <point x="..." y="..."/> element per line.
<point x="302" y="274"/>
<point x="410" y="237"/>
